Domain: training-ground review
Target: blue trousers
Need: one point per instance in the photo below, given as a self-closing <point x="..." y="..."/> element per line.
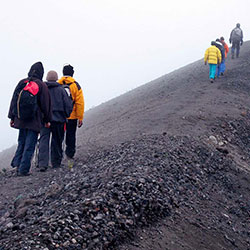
<point x="221" y="68"/>
<point x="212" y="70"/>
<point x="27" y="140"/>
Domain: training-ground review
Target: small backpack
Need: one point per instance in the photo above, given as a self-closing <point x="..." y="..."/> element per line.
<point x="237" y="34"/>
<point x="26" y="103"/>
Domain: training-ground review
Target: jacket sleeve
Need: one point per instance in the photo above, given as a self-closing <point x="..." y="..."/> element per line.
<point x="231" y="35"/>
<point x="77" y="96"/>
<point x="206" y="55"/>
<point x="226" y="48"/>
<point x="12" y="103"/>
<point x="45" y="102"/>
<point x="219" y="55"/>
<point x="11" y="115"/>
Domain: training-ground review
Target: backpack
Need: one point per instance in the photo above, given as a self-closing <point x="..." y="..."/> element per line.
<point x="26" y="102"/>
<point x="67" y="89"/>
<point x="236" y="34"/>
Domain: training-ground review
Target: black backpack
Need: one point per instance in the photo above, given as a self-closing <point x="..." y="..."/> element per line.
<point x="26" y="101"/>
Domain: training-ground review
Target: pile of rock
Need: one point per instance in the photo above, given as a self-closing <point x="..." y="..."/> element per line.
<point x="101" y="204"/>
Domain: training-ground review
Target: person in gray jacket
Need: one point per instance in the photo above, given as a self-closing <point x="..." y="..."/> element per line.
<point x="62" y="106"/>
<point x="236" y="38"/>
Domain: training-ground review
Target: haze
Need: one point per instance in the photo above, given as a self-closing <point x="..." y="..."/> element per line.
<point x="113" y="45"/>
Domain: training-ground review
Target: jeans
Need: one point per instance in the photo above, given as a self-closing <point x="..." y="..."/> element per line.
<point x="212" y="70"/>
<point x="71" y="137"/>
<point x="55" y="147"/>
<point x="27" y="140"/>
<point x="221" y="68"/>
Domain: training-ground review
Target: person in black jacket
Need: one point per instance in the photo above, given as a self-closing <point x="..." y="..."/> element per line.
<point x="62" y="106"/>
<point x="29" y="129"/>
<point x="220" y="46"/>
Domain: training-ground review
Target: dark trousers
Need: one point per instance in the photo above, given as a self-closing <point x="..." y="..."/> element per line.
<point x="236" y="45"/>
<point x="71" y="137"/>
<point x="27" y="140"/>
<point x="54" y="148"/>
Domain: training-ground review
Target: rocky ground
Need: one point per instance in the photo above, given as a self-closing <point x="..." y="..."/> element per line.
<point x="165" y="166"/>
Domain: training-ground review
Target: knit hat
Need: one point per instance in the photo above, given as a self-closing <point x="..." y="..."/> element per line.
<point x="52" y="76"/>
<point x="68" y="70"/>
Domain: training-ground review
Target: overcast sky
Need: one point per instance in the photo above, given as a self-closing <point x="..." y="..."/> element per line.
<point x="114" y="45"/>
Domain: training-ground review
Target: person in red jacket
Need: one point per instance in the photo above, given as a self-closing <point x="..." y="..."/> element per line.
<point x="223" y="63"/>
<point x="29" y="128"/>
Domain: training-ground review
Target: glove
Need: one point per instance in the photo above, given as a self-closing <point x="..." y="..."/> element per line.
<point x="230" y="41"/>
<point x="79" y="123"/>
<point x="241" y="43"/>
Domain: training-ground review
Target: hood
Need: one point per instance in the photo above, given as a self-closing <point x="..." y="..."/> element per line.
<point x="36" y="71"/>
<point x="51" y="84"/>
<point x="218" y="43"/>
<point x="66" y="80"/>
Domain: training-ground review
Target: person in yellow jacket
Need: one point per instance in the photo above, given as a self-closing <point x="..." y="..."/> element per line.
<point x="76" y="117"/>
<point x="213" y="57"/>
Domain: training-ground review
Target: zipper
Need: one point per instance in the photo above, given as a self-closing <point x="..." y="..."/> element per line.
<point x="18" y="100"/>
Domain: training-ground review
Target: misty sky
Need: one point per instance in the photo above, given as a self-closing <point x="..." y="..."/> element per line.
<point x="114" y="45"/>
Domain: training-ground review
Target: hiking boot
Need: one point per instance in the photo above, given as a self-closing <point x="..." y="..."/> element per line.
<point x="232" y="56"/>
<point x="43" y="168"/>
<point x="222" y="74"/>
<point x="211" y="80"/>
<point x="22" y="174"/>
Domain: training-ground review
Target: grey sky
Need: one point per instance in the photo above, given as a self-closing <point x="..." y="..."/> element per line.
<point x="114" y="45"/>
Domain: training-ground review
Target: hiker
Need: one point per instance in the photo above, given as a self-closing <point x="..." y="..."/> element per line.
<point x="226" y="49"/>
<point x="29" y="125"/>
<point x="62" y="106"/>
<point x="220" y="46"/>
<point x="213" y="57"/>
<point x="76" y="117"/>
<point x="236" y="38"/>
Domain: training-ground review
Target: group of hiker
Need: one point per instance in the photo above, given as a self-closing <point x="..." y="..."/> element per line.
<point x="53" y="108"/>
<point x="216" y="55"/>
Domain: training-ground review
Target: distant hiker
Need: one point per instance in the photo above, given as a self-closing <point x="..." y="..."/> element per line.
<point x="213" y="57"/>
<point x="76" y="117"/>
<point x="29" y="125"/>
<point x="223" y="64"/>
<point x="236" y="38"/>
<point x="62" y="106"/>
<point x="220" y="46"/>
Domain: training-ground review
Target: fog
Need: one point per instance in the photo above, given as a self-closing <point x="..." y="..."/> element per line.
<point x="113" y="45"/>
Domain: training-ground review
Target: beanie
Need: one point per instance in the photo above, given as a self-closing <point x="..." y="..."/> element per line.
<point x="52" y="76"/>
<point x="68" y="70"/>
